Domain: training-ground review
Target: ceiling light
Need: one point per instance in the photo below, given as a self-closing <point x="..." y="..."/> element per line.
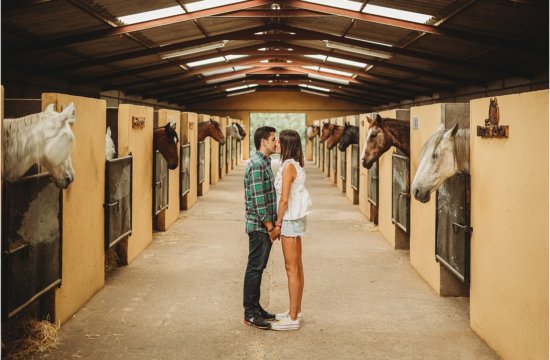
<point x="207" y="4"/>
<point x="227" y="78"/>
<point x="151" y="15"/>
<point x="358" y="50"/>
<point x="197" y="49"/>
<point x="217" y="72"/>
<point x="237" y="88"/>
<point x="346" y="62"/>
<point x="206" y="62"/>
<point x="336" y="72"/>
<point x="318" y="88"/>
<point x="241" y="93"/>
<point x="343" y="4"/>
<point x="314" y="93"/>
<point x="397" y="14"/>
<point x="317" y="57"/>
<point x="326" y="78"/>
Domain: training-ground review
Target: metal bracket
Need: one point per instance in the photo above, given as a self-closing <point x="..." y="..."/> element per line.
<point x="492" y="129"/>
<point x="465" y="228"/>
<point x="138" y="122"/>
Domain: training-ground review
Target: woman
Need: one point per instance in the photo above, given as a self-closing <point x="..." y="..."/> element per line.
<point x="294" y="204"/>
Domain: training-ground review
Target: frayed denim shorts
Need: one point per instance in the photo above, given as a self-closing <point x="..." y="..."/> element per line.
<point x="293" y="228"/>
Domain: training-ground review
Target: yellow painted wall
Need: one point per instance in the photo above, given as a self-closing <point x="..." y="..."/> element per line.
<point x="509" y="214"/>
<point x="422" y="235"/>
<point x="204" y="187"/>
<point x="139" y="142"/>
<point x="239" y="107"/>
<point x="351" y="194"/>
<point x="364" y="205"/>
<point x="333" y="164"/>
<point x="169" y="216"/>
<point x="224" y="121"/>
<point x="215" y="156"/>
<point x="83" y="219"/>
<point x="340" y="184"/>
<point x="188" y="134"/>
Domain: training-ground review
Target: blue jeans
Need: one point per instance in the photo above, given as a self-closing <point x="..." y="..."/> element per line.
<point x="258" y="255"/>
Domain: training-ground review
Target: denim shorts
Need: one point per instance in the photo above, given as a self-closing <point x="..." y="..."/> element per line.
<point x="292" y="228"/>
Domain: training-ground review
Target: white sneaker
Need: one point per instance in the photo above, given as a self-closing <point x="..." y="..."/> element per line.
<point x="286" y="315"/>
<point x="286" y="324"/>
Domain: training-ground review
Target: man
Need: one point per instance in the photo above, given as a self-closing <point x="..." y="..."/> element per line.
<point x="261" y="213"/>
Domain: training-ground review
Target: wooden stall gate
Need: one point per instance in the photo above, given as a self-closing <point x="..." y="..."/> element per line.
<point x="352" y="167"/>
<point x="188" y="160"/>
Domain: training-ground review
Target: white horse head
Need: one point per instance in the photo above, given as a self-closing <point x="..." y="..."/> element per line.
<point x="444" y="154"/>
<point x="109" y="145"/>
<point x="45" y="139"/>
<point x="233" y="130"/>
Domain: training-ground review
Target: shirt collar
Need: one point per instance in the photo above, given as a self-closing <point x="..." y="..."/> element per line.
<point x="267" y="159"/>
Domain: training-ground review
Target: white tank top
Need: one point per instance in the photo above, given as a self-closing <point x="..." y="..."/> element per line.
<point x="299" y="202"/>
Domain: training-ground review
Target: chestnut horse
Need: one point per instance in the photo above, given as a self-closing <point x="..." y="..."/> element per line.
<point x="382" y="134"/>
<point x="165" y="140"/>
<point x="211" y="128"/>
<point x="335" y="135"/>
<point x="350" y="136"/>
<point x="325" y="131"/>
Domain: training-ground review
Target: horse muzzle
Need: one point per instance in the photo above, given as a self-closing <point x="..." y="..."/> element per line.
<point x="64" y="183"/>
<point x="421" y="195"/>
<point x="367" y="163"/>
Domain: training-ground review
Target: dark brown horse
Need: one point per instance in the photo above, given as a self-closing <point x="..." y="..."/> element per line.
<point x="350" y="136"/>
<point x="325" y="131"/>
<point x="382" y="134"/>
<point x="165" y="140"/>
<point x="335" y="135"/>
<point x="211" y="128"/>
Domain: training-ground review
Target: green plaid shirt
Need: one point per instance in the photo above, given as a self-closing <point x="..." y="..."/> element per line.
<point x="259" y="193"/>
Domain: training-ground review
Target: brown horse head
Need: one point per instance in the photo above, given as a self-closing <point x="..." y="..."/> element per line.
<point x="382" y="134"/>
<point x="335" y="135"/>
<point x="165" y="140"/>
<point x="350" y="136"/>
<point x="211" y="128"/>
<point x="325" y="132"/>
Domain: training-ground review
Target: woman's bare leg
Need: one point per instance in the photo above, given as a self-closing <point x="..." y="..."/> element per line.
<point x="292" y="253"/>
<point x="301" y="272"/>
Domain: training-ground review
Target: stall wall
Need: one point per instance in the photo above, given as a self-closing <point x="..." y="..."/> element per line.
<point x="239" y="107"/>
<point x="215" y="155"/>
<point x="83" y="221"/>
<point x="340" y="183"/>
<point x="139" y="142"/>
<point x="204" y="187"/>
<point x="509" y="215"/>
<point x="189" y="127"/>
<point x="351" y="194"/>
<point x="364" y="205"/>
<point x="224" y="121"/>
<point x="169" y="216"/>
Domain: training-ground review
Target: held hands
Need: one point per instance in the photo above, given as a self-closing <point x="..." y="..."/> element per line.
<point x="275" y="233"/>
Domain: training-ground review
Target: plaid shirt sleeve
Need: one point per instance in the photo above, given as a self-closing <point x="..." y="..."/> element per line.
<point x="258" y="192"/>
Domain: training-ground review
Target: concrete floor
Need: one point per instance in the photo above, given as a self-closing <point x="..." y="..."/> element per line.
<point x="182" y="298"/>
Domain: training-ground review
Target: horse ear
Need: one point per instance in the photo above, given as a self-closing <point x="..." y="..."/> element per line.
<point x="452" y="131"/>
<point x="174" y="126"/>
<point x="69" y="113"/>
<point x="370" y="120"/>
<point x="50" y="108"/>
<point x="108" y="131"/>
<point x="379" y="119"/>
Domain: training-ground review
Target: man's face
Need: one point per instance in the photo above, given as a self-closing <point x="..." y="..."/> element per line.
<point x="271" y="143"/>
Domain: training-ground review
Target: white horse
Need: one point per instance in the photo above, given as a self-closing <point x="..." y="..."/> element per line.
<point x="109" y="145"/>
<point x="444" y="154"/>
<point x="45" y="139"/>
<point x="233" y="130"/>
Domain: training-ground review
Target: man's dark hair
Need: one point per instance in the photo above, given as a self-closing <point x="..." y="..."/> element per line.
<point x="262" y="133"/>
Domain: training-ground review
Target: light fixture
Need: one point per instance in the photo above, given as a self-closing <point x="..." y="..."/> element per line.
<point x="208" y="4"/>
<point x="226" y="78"/>
<point x="314" y="93"/>
<point x="241" y="93"/>
<point x="326" y="78"/>
<point x="151" y="15"/>
<point x="194" y="50"/>
<point x="358" y="50"/>
<point x="397" y="14"/>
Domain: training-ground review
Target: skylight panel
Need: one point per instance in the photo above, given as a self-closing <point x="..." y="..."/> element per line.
<point x="208" y="4"/>
<point x="151" y="15"/>
<point x="336" y="72"/>
<point x="227" y="78"/>
<point x="240" y="67"/>
<point x="217" y="72"/>
<point x="206" y="62"/>
<point x="241" y="87"/>
<point x="317" y="57"/>
<point x="233" y="57"/>
<point x="343" y="4"/>
<point x="314" y="68"/>
<point x="326" y="78"/>
<point x="314" y="87"/>
<point x="241" y="92"/>
<point x="313" y="93"/>
<point x="397" y="14"/>
<point x="346" y="62"/>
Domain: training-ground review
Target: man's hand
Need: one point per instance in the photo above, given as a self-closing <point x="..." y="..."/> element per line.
<point x="274" y="234"/>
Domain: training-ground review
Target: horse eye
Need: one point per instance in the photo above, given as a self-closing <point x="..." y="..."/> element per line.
<point x="435" y="156"/>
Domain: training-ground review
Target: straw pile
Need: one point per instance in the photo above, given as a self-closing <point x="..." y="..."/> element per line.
<point x="33" y="337"/>
<point x="111" y="260"/>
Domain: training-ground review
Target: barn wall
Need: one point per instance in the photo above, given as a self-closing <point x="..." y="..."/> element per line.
<point x="340" y="184"/>
<point x="224" y="121"/>
<point x="509" y="215"/>
<point x="315" y="107"/>
<point x="215" y="156"/>
<point x="204" y="187"/>
<point x="364" y="205"/>
<point x="189" y="135"/>
<point x="139" y="142"/>
<point x="83" y="221"/>
<point x="351" y="194"/>
<point x="169" y="216"/>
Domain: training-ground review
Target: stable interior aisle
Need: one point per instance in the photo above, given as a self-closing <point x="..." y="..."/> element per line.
<point x="182" y="297"/>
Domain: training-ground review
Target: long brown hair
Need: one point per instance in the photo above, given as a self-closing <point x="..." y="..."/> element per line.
<point x="291" y="146"/>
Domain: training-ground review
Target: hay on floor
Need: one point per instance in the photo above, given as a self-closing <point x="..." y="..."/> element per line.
<point x="111" y="260"/>
<point x="33" y="337"/>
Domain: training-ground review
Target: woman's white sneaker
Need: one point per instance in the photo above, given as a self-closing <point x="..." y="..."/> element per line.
<point x="286" y="315"/>
<point x="286" y="324"/>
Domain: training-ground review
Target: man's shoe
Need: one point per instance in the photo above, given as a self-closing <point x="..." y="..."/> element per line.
<point x="286" y="324"/>
<point x="267" y="315"/>
<point x="257" y="321"/>
<point x="286" y="315"/>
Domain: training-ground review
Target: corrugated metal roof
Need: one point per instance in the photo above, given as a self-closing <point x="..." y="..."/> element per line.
<point x="467" y="42"/>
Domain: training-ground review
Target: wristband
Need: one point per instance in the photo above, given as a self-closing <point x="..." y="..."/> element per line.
<point x="277" y="224"/>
